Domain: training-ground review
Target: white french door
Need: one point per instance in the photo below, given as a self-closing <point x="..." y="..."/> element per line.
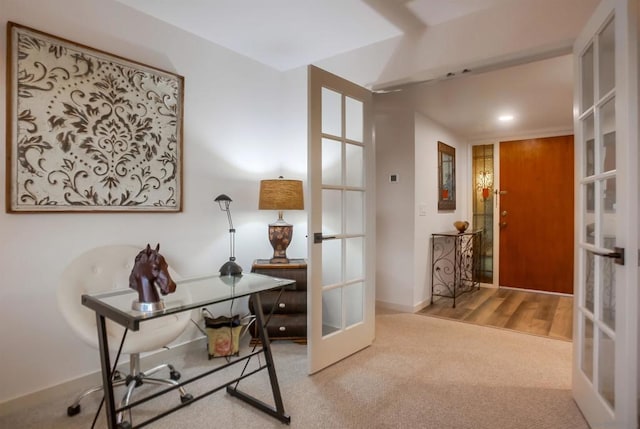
<point x="605" y="365"/>
<point x="341" y="163"/>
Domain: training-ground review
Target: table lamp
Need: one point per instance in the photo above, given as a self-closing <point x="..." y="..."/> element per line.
<point x="229" y="268"/>
<point x="280" y="194"/>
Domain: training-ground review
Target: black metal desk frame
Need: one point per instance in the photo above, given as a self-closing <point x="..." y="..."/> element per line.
<point x="131" y="320"/>
<point x="455" y="263"/>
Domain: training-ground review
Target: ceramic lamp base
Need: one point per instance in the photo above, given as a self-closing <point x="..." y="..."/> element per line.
<point x="280" y="236"/>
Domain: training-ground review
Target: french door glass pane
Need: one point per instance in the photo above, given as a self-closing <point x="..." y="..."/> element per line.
<point x="331" y="162"/>
<point x="588" y="131"/>
<point x="609" y="152"/>
<point x="353" y="295"/>
<point x="354" y="263"/>
<point x="331" y="112"/>
<point x="587" y="79"/>
<point x="331" y="310"/>
<point x="608" y="141"/>
<point x="608" y="298"/>
<point x="606" y="59"/>
<point x="608" y="197"/>
<point x="589" y="276"/>
<point x="331" y="211"/>
<point x="331" y="262"/>
<point x="606" y="368"/>
<point x="355" y="212"/>
<point x="587" y="348"/>
<point x="355" y="165"/>
<point x="354" y="119"/>
<point x="589" y="213"/>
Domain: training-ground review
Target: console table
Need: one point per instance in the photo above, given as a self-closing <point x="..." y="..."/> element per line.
<point x="455" y="263"/>
<point x="203" y="291"/>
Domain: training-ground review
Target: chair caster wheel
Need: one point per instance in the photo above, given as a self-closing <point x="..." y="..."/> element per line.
<point x="186" y="398"/>
<point x="124" y="425"/>
<point x="117" y="375"/>
<point x="73" y="410"/>
<point x="174" y="375"/>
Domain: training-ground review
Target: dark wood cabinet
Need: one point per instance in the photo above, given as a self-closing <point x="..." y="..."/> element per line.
<point x="288" y="308"/>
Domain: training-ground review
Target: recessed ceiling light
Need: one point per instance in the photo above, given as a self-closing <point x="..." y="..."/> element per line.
<point x="505" y="118"/>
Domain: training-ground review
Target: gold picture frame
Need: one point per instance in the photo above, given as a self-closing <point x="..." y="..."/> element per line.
<point x="88" y="131"/>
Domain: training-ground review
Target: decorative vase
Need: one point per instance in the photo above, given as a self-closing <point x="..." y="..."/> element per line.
<point x="461" y="225"/>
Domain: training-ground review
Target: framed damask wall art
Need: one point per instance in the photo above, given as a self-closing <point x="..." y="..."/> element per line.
<point x="88" y="131"/>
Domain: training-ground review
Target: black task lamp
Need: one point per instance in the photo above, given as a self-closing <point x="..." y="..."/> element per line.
<point x="230" y="268"/>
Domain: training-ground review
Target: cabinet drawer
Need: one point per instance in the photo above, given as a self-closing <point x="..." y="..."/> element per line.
<point x="297" y="274"/>
<point x="285" y="326"/>
<point x="287" y="303"/>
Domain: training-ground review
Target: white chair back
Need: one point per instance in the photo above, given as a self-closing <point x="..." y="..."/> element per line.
<point x="103" y="269"/>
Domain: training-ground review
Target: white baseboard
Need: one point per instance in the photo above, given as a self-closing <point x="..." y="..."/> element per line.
<point x="401" y="308"/>
<point x="74" y="387"/>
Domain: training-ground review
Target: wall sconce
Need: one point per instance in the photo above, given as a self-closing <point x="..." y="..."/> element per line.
<point x="484" y="183"/>
<point x="280" y="194"/>
<point x="229" y="268"/>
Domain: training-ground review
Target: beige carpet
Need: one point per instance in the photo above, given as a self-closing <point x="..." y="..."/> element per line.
<point x="421" y="372"/>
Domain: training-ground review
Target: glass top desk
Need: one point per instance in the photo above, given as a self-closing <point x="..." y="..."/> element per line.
<point x="198" y="292"/>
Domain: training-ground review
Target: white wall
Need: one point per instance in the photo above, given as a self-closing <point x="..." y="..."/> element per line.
<point x="234" y="135"/>
<point x="407" y="145"/>
<point x="427" y="135"/>
<point x="394" y="141"/>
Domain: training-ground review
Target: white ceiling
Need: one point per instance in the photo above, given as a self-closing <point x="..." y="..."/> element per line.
<point x="433" y="12"/>
<point x="286" y="34"/>
<point x="539" y="95"/>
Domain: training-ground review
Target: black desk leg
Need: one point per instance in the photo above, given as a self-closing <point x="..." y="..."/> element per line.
<point x="109" y="400"/>
<point x="278" y="411"/>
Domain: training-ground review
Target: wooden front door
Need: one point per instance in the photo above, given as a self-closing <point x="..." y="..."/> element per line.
<point x="536" y="214"/>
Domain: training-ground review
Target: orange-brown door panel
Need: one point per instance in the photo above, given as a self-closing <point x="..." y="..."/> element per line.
<point x="536" y="214"/>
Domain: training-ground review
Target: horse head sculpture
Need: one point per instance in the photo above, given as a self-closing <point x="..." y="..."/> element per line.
<point x="150" y="270"/>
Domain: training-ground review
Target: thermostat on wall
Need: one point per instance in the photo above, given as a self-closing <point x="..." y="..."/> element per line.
<point x="394" y="178"/>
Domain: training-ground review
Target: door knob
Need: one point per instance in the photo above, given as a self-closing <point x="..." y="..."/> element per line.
<point x="504" y="213"/>
<point x="503" y="224"/>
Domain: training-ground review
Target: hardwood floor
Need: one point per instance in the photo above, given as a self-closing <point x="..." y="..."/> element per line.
<point x="543" y="314"/>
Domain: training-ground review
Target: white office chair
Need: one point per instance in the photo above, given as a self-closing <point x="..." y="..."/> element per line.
<point x="103" y="269"/>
